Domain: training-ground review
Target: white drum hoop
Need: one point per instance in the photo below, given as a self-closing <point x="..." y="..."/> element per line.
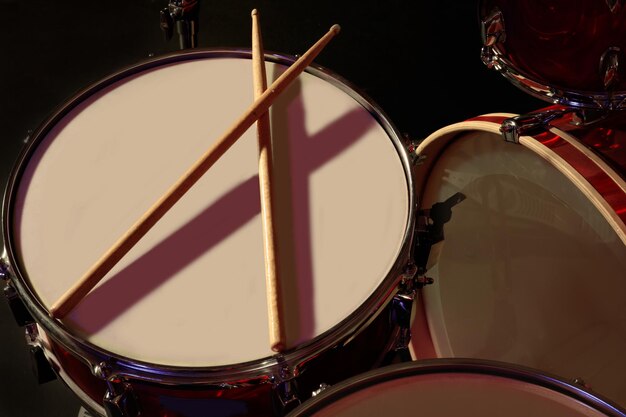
<point x="586" y="172"/>
<point x="257" y="371"/>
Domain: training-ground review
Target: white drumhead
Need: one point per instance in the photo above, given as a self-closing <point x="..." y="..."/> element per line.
<point x="456" y="394"/>
<point x="530" y="272"/>
<point x="192" y="292"/>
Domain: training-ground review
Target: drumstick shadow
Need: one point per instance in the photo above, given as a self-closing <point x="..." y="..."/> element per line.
<point x="149" y="271"/>
<point x="298" y="154"/>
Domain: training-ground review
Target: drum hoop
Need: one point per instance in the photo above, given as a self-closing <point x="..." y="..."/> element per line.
<point x="256" y="371"/>
<point x="560" y="155"/>
<point x="543" y="91"/>
<point x="458" y="365"/>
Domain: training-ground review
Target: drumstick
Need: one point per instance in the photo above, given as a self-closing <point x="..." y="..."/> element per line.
<point x="89" y="280"/>
<point x="270" y="237"/>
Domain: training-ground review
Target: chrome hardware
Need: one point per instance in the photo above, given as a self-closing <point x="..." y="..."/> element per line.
<point x="323" y="387"/>
<point x="400" y="312"/>
<point x="285" y="390"/>
<point x="411" y="146"/>
<point x="493" y="33"/>
<point x="31" y="332"/>
<point x="610" y="67"/>
<point x="529" y="124"/>
<point x="21" y="315"/>
<point x="29" y="133"/>
<point x="5" y="271"/>
<point x="41" y="367"/>
<point x="406" y="281"/>
<point x="182" y="14"/>
<point x="493" y="29"/>
<point x="119" y="399"/>
<point x="102" y="370"/>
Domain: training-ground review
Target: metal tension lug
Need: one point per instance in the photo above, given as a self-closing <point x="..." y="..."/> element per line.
<point x="401" y="307"/>
<point x="611" y="68"/>
<point x="493" y="33"/>
<point x="21" y="315"/>
<point x="119" y="400"/>
<point x="285" y="393"/>
<point x="40" y="365"/>
<point x="42" y="369"/>
<point x="529" y="124"/>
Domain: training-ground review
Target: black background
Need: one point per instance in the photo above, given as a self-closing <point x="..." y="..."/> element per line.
<point x="420" y="61"/>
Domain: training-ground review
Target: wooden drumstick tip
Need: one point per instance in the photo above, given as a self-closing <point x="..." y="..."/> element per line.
<point x="254" y="12"/>
<point x="335" y="28"/>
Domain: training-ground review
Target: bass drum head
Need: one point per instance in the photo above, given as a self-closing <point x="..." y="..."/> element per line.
<point x="531" y="271"/>
<point x="455" y="388"/>
<point x="191" y="293"/>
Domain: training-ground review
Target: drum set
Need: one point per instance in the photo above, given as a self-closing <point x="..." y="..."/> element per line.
<point x="479" y="271"/>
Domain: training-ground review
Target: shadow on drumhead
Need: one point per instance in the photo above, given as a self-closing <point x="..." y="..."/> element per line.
<point x="299" y="153"/>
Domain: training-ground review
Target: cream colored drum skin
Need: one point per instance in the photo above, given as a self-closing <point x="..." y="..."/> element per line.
<point x="531" y="270"/>
<point x="188" y="301"/>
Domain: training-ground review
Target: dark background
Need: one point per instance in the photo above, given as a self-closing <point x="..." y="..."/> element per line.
<point x="420" y="61"/>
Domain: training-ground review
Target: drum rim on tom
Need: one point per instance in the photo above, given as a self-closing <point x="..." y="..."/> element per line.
<point x="262" y="368"/>
<point x="456" y="365"/>
<point x="493" y="33"/>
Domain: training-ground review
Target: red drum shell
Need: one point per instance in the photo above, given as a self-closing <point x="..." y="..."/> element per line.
<point x="559" y="43"/>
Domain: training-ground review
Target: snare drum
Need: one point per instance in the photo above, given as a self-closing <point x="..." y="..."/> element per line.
<point x="566" y="51"/>
<point x="180" y="323"/>
<point x="531" y="268"/>
<point x="445" y="388"/>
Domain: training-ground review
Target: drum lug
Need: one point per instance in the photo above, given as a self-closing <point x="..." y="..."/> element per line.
<point x="119" y="399"/>
<point x="401" y="313"/>
<point x="182" y="14"/>
<point x="285" y="392"/>
<point x="41" y="367"/>
<point x="610" y="69"/>
<point x="493" y="33"/>
<point x="529" y="124"/>
<point x="411" y="148"/>
<point x="18" y="308"/>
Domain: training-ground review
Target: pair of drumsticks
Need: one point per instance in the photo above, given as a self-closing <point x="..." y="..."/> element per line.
<point x="257" y="112"/>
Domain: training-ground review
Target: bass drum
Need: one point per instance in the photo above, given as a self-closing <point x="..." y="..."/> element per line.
<point x="179" y="326"/>
<point x="531" y="268"/>
<point x="445" y="388"/>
